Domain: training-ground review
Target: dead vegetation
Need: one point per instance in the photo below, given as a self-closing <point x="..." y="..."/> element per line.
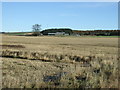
<point x="37" y="74"/>
<point x="45" y="56"/>
<point x="12" y="46"/>
<point x="69" y="62"/>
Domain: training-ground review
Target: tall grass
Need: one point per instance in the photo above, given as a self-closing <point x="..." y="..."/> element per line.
<point x="100" y="73"/>
<point x="45" y="56"/>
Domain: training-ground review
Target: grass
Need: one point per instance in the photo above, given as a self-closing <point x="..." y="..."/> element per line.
<point x="47" y="57"/>
<point x="16" y="33"/>
<point x="36" y="74"/>
<point x="94" y="62"/>
<point x="23" y="33"/>
<point x="105" y="36"/>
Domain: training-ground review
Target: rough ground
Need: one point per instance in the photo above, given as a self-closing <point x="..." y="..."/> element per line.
<point x="101" y="71"/>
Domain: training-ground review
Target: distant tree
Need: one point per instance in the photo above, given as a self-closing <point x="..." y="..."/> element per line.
<point x="66" y="30"/>
<point x="36" y="29"/>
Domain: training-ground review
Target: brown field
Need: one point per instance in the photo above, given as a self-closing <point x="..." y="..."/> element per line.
<point x="59" y="62"/>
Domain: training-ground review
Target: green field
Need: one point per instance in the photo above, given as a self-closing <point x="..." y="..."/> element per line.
<point x="23" y="33"/>
<point x="17" y="33"/>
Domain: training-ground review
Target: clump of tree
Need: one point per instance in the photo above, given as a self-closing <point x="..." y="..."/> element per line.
<point x="36" y="29"/>
<point x="66" y="30"/>
<point x="98" y="32"/>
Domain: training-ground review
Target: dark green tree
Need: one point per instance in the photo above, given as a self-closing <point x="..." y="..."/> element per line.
<point x="36" y="29"/>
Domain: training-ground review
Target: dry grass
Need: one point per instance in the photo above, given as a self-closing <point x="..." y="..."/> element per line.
<point x="12" y="46"/>
<point x="45" y="56"/>
<point x="95" y="62"/>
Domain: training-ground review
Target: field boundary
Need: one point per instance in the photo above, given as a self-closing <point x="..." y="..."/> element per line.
<point x="45" y="56"/>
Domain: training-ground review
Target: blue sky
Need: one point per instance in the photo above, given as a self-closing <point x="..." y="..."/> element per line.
<point x="20" y="16"/>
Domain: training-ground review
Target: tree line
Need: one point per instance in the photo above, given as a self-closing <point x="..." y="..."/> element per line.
<point x="36" y="31"/>
<point x="98" y="32"/>
<point x="66" y="30"/>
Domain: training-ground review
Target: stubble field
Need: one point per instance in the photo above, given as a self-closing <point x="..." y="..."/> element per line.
<point x="59" y="62"/>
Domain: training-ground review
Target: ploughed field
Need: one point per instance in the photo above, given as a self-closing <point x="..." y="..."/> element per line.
<point x="59" y="62"/>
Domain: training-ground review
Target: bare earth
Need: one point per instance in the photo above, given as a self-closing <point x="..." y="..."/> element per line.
<point x="101" y="71"/>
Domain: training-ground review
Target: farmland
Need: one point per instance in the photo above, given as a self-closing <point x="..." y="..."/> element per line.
<point x="59" y="62"/>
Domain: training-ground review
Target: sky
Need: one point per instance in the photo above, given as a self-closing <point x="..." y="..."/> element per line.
<point x="20" y="16"/>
